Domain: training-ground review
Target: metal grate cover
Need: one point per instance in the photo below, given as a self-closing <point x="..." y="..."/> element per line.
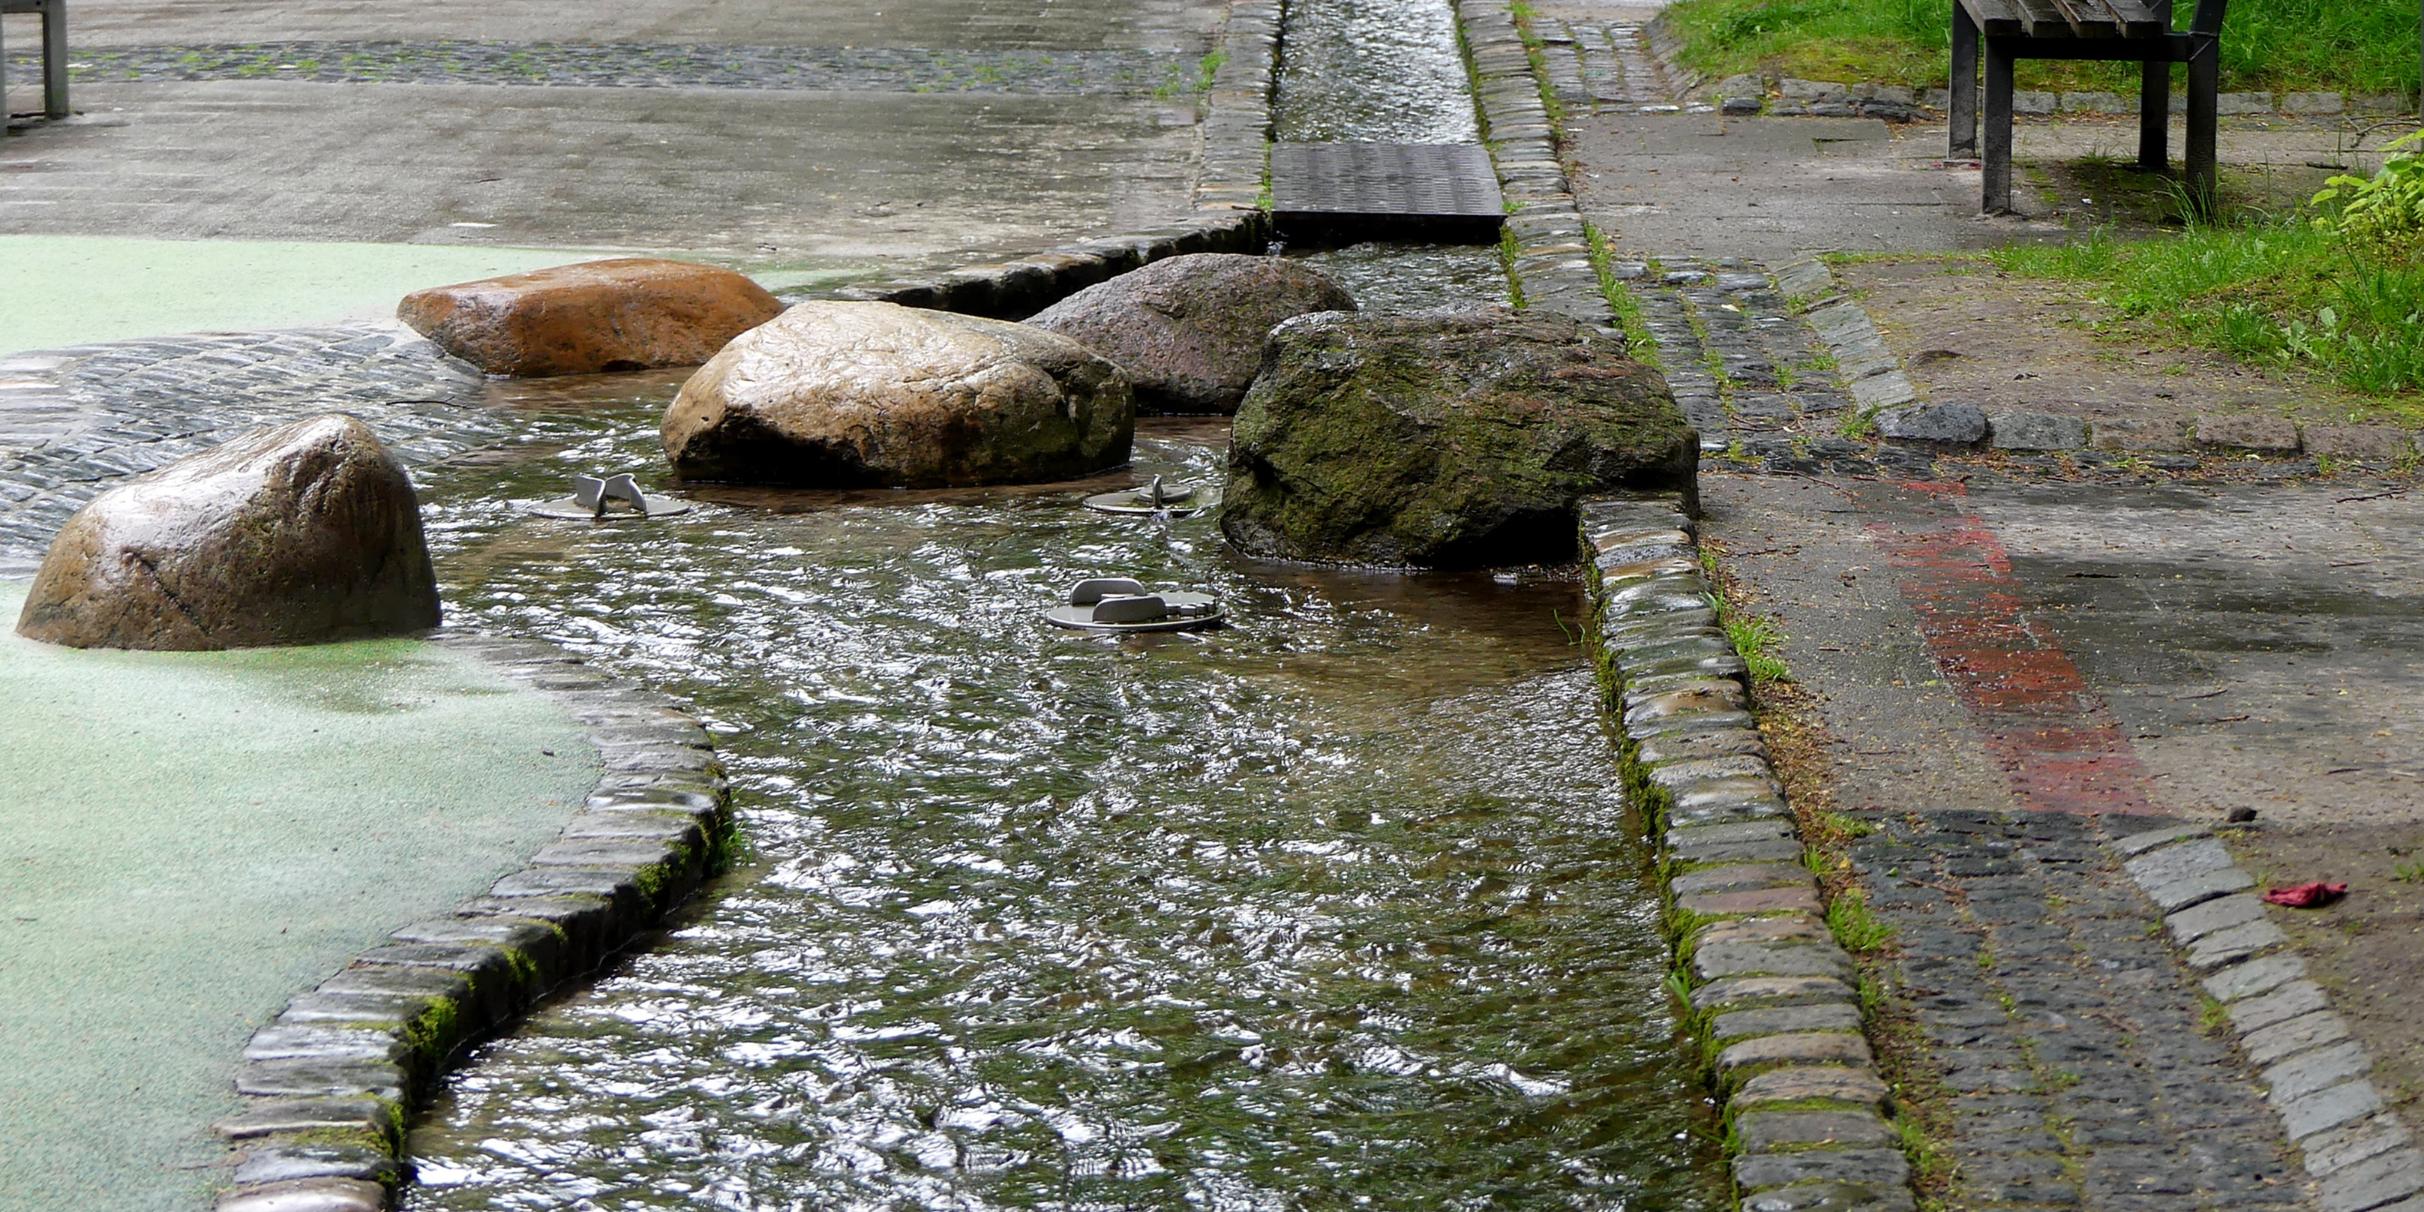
<point x="1453" y="181"/>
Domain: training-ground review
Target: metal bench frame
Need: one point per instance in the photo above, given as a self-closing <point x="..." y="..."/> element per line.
<point x="54" y="54"/>
<point x="2011" y="30"/>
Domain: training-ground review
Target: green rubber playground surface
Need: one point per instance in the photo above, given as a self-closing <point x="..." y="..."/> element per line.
<point x="194" y="837"/>
<point x="125" y="288"/>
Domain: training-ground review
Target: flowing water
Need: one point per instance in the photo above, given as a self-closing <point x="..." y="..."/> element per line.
<point x="1339" y="906"/>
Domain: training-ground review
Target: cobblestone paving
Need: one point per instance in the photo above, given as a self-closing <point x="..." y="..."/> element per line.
<point x="1748" y="373"/>
<point x="73" y="421"/>
<point x="642" y="65"/>
<point x="1597" y="66"/>
<point x="2077" y="1061"/>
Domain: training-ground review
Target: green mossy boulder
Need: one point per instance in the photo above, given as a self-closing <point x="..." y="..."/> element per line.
<point x="1444" y="439"/>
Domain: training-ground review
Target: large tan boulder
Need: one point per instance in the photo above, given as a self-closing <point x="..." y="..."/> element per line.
<point x="629" y="314"/>
<point x="1189" y="330"/>
<point x="841" y="395"/>
<point x="301" y="534"/>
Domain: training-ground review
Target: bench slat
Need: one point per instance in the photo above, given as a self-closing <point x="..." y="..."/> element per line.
<point x="2139" y="19"/>
<point x="2089" y="18"/>
<point x="1995" y="18"/>
<point x="2041" y="19"/>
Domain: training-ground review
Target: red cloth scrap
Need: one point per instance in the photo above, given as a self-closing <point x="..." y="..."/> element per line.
<point x="2306" y="896"/>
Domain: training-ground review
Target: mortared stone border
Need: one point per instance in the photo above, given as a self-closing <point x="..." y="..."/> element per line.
<point x="329" y="1086"/>
<point x="1772" y="997"/>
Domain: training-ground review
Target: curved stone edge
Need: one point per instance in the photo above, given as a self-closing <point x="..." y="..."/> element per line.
<point x="329" y="1085"/>
<point x="1231" y="195"/>
<point x="1773" y="998"/>
<point x="2317" y="1077"/>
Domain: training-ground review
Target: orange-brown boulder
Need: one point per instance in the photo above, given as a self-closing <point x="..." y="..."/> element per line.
<point x="301" y="534"/>
<point x="633" y="313"/>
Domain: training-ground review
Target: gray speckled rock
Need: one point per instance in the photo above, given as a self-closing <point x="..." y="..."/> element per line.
<point x="1189" y="330"/>
<point x="301" y="534"/>
<point x="845" y="395"/>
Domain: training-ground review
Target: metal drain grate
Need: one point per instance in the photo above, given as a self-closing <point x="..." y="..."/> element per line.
<point x="1418" y="184"/>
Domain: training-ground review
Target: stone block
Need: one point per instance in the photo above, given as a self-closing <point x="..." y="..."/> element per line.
<point x="2221" y="913"/>
<point x="2288" y="1037"/>
<point x="1734" y="877"/>
<point x="1828" y="1195"/>
<point x="2032" y="102"/>
<point x="2312" y="1072"/>
<point x="2194" y="889"/>
<point x="1946" y="424"/>
<point x="2349" y="1144"/>
<point x="1791" y="927"/>
<point x="2255" y="977"/>
<point x="1796" y="1083"/>
<point x="1740" y="992"/>
<point x="1775" y="1131"/>
<point x="1719" y="960"/>
<point x="2282" y="1004"/>
<point x="280" y="1163"/>
<point x="2248" y="432"/>
<point x="2016" y="429"/>
<point x="2140" y="433"/>
<point x="2329" y="1108"/>
<point x="2366" y="443"/>
<point x="2371" y="1183"/>
<point x="1877" y="1167"/>
<point x="2234" y="944"/>
<point x="2135" y="844"/>
<point x="1803" y="899"/>
<point x="2313" y="103"/>
<point x="309" y="1195"/>
<point x="1786" y="1020"/>
<point x="1807" y="1048"/>
<point x="265" y="1116"/>
<point x="2243" y="103"/>
<point x="2098" y="103"/>
<point x="316" y="1078"/>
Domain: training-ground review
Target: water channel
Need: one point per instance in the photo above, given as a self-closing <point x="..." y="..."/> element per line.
<point x="1339" y="906"/>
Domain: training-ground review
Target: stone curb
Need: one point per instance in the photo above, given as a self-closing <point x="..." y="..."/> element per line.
<point x="2317" y="1078"/>
<point x="1773" y="995"/>
<point x="1233" y="167"/>
<point x="1878" y="386"/>
<point x="330" y="1084"/>
<point x="1786" y="97"/>
<point x="1553" y="261"/>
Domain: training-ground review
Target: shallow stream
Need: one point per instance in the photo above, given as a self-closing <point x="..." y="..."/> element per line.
<point x="1339" y="906"/>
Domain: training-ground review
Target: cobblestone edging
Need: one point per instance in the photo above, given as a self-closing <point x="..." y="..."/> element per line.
<point x="1773" y="996"/>
<point x="1551" y="262"/>
<point x="1787" y="97"/>
<point x="1229" y="198"/>
<point x="2316" y="1078"/>
<point x="1880" y="389"/>
<point x="329" y="1085"/>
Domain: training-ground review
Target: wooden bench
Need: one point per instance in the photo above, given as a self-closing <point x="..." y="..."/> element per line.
<point x="54" y="55"/>
<point x="2126" y="30"/>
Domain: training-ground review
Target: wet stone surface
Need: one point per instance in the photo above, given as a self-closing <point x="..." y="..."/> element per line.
<point x="73" y="422"/>
<point x="2078" y="1066"/>
<point x="639" y="65"/>
<point x="1749" y="374"/>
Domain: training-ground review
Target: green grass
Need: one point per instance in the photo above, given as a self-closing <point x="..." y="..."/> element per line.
<point x="2358" y="47"/>
<point x="2282" y="293"/>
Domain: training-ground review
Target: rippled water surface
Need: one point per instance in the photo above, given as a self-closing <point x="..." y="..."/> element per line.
<point x="1373" y="70"/>
<point x="1336" y="907"/>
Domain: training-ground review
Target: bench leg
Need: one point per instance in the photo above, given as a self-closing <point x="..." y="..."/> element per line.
<point x="2154" y="115"/>
<point x="2204" y="80"/>
<point x="54" y="59"/>
<point x="1961" y="93"/>
<point x="1995" y="195"/>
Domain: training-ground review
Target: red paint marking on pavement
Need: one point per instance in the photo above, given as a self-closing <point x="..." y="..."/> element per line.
<point x="2052" y="734"/>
